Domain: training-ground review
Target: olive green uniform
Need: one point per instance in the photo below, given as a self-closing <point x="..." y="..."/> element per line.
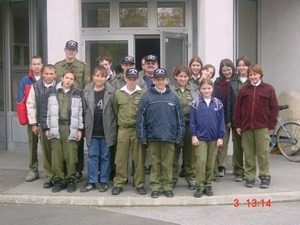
<point x="125" y="106"/>
<point x="82" y="79"/>
<point x="185" y="96"/>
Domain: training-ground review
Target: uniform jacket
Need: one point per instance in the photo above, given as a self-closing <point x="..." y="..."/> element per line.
<point x="81" y="71"/>
<point x="207" y="122"/>
<point x="234" y="87"/>
<point x="109" y="120"/>
<point x="50" y="112"/>
<point x="191" y="92"/>
<point x="256" y="107"/>
<point x="35" y="99"/>
<point x="23" y="91"/>
<point x="160" y="117"/>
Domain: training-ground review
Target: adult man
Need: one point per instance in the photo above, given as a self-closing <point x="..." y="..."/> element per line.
<point x="82" y="78"/>
<point x="150" y="65"/>
<point x="36" y="65"/>
<point x="35" y="99"/>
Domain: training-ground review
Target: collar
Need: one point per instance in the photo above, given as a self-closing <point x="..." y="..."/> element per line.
<point x="255" y="85"/>
<point x="124" y="88"/>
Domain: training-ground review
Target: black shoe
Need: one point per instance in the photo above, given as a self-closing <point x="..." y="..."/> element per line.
<point x="48" y="183"/>
<point x="88" y="187"/>
<point x="58" y="186"/>
<point x="169" y="194"/>
<point x="265" y="182"/>
<point x="208" y="191"/>
<point x="199" y="192"/>
<point x="116" y="190"/>
<point x="79" y="176"/>
<point x="238" y="178"/>
<point x="250" y="183"/>
<point x="216" y="179"/>
<point x="141" y="190"/>
<point x="71" y="186"/>
<point x="192" y="185"/>
<point x="103" y="187"/>
<point x="182" y="173"/>
<point x="155" y="194"/>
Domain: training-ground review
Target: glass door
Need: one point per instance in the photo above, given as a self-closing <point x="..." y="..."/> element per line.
<point x="115" y="46"/>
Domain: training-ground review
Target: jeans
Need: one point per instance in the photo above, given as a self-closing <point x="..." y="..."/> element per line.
<point x="98" y="150"/>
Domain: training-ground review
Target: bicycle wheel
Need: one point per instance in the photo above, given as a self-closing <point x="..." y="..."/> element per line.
<point x="288" y="141"/>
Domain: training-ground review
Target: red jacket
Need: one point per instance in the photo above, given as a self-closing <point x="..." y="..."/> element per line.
<point x="256" y="107"/>
<point x="23" y="91"/>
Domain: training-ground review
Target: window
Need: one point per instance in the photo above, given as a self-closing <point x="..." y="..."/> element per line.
<point x="133" y="14"/>
<point x="170" y="14"/>
<point x="95" y="15"/>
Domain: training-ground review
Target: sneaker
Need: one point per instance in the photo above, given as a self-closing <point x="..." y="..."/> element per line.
<point x="221" y="171"/>
<point x="238" y="178"/>
<point x="48" y="183"/>
<point x="155" y="194"/>
<point x="103" y="187"/>
<point x="208" y="191"/>
<point x="265" y="182"/>
<point x="88" y="187"/>
<point x="169" y="194"/>
<point x="116" y="190"/>
<point x="250" y="183"/>
<point x="141" y="190"/>
<point x="216" y="179"/>
<point x="199" y="192"/>
<point x="71" y="186"/>
<point x="58" y="186"/>
<point x="192" y="185"/>
<point x="79" y="176"/>
<point x="32" y="176"/>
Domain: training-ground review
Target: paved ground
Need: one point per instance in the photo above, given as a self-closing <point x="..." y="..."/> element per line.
<point x="285" y="186"/>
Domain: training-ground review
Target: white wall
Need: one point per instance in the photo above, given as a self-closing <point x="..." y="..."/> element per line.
<point x="215" y="31"/>
<point x="280" y="44"/>
<point x="63" y="24"/>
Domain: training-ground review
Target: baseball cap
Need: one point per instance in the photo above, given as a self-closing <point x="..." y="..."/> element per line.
<point x="128" y="59"/>
<point x="132" y="73"/>
<point x="151" y="58"/>
<point x="72" y="45"/>
<point x="160" y="73"/>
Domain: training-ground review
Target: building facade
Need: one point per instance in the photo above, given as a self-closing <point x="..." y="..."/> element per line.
<point x="175" y="30"/>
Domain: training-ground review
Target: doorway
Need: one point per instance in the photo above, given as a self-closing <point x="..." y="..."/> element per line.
<point x="146" y="46"/>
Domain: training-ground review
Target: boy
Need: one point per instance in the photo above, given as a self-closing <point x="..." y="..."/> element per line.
<point x="62" y="122"/>
<point x="36" y="65"/>
<point x="126" y="101"/>
<point x="100" y="129"/>
<point x="160" y="124"/>
<point x="34" y="102"/>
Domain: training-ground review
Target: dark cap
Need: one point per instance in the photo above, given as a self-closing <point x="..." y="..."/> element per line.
<point x="132" y="73"/>
<point x="151" y="58"/>
<point x="128" y="59"/>
<point x="72" y="45"/>
<point x="160" y="73"/>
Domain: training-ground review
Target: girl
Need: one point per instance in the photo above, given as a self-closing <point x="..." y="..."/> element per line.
<point x="62" y="122"/>
<point x="186" y="92"/>
<point x="235" y="84"/>
<point x="255" y="118"/>
<point x="221" y="92"/>
<point x="207" y="128"/>
<point x="208" y="71"/>
<point x="195" y="66"/>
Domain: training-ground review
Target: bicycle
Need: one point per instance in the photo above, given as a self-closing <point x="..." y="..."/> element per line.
<point x="287" y="138"/>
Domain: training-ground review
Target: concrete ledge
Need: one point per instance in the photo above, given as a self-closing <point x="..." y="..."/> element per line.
<point x="146" y="201"/>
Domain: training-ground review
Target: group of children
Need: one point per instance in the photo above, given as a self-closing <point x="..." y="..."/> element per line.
<point x="193" y="116"/>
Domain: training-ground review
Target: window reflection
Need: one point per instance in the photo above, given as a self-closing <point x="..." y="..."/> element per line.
<point x="95" y="15"/>
<point x="170" y="14"/>
<point x="133" y="14"/>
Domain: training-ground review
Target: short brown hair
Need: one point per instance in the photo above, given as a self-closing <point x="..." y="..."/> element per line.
<point x="257" y="69"/>
<point x="181" y="68"/>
